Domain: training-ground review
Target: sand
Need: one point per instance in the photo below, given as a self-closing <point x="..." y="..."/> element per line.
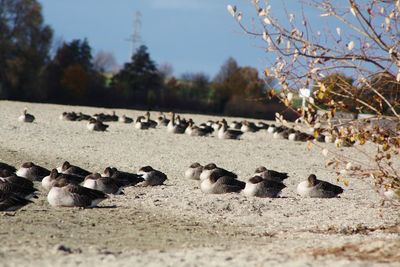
<point x="176" y="224"/>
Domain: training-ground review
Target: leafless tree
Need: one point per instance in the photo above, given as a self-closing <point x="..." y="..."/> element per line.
<point x="365" y="45"/>
<point x="104" y="61"/>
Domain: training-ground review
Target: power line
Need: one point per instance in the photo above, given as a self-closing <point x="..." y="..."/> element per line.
<point x="136" y="37"/>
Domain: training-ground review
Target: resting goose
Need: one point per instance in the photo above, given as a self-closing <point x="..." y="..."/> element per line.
<point x="125" y="119"/>
<point x="67" y="168"/>
<point x="32" y="172"/>
<point x="106" y="185"/>
<point x="70" y="195"/>
<point x="126" y="178"/>
<point x="152" y="124"/>
<point x="54" y="177"/>
<point x="175" y="128"/>
<point x="26" y="117"/>
<point x="151" y="176"/>
<point x="162" y="120"/>
<point x="194" y="171"/>
<point x="315" y="188"/>
<point x="270" y="174"/>
<point x="216" y="184"/>
<point x="21" y="190"/>
<point x="224" y="133"/>
<point x="5" y="166"/>
<point x="12" y="202"/>
<point x="141" y="124"/>
<point x="248" y="127"/>
<point x="212" y="168"/>
<point x="96" y="125"/>
<point x="260" y="187"/>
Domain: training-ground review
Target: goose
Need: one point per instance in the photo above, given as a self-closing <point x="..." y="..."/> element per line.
<point x="20" y="190"/>
<point x="216" y="184"/>
<point x="126" y="178"/>
<point x="13" y="178"/>
<point x="32" y="172"/>
<point x="212" y="168"/>
<point x="82" y="117"/>
<point x="67" y="168"/>
<point x="315" y="188"/>
<point x="260" y="187"/>
<point x="248" y="127"/>
<point x="182" y="122"/>
<point x="162" y="120"/>
<point x="70" y="195"/>
<point x="300" y="136"/>
<point x="270" y="174"/>
<point x="280" y="132"/>
<point x="194" y="171"/>
<point x="96" y="125"/>
<point x="271" y="129"/>
<point x="193" y="130"/>
<point x="112" y="117"/>
<point x="106" y="185"/>
<point x="55" y="176"/>
<point x="175" y="128"/>
<point x="224" y="133"/>
<point x="26" y="117"/>
<point x="151" y="176"/>
<point x="235" y="125"/>
<point x="12" y="202"/>
<point x="5" y="166"/>
<point x="152" y="124"/>
<point x="68" y="116"/>
<point x="125" y="119"/>
<point x="140" y="124"/>
<point x="262" y="125"/>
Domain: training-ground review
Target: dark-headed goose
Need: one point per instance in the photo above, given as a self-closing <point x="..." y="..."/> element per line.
<point x="313" y="187"/>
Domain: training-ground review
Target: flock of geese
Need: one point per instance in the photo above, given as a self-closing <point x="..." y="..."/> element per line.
<point x="73" y="186"/>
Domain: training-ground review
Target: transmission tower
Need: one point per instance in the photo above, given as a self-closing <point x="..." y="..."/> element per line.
<point x="136" y="38"/>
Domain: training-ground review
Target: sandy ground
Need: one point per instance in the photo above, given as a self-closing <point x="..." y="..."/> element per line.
<point x="176" y="224"/>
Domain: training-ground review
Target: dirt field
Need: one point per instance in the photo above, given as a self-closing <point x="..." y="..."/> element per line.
<point x="176" y="224"/>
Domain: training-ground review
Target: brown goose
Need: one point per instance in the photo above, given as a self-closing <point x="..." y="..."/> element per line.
<point x="151" y="176"/>
<point x="260" y="187"/>
<point x="172" y="127"/>
<point x="21" y="190"/>
<point x="96" y="125"/>
<point x="194" y="171"/>
<point x="126" y="178"/>
<point x="270" y="174"/>
<point x="104" y="184"/>
<point x="216" y="184"/>
<point x="224" y="133"/>
<point x="5" y="166"/>
<point x="26" y="117"/>
<point x="54" y="177"/>
<point x="67" y="168"/>
<point x="32" y="172"/>
<point x="213" y="168"/>
<point x="315" y="188"/>
<point x="70" y="195"/>
<point x="12" y="202"/>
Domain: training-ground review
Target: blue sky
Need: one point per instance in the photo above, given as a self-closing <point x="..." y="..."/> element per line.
<point x="191" y="35"/>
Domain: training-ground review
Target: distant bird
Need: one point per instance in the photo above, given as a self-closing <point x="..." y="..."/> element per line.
<point x="213" y="168"/>
<point x="125" y="119"/>
<point x="216" y="184"/>
<point x="260" y="187"/>
<point x="194" y="171"/>
<point x="26" y="117"/>
<point x="126" y="178"/>
<point x="107" y="185"/>
<point x="162" y="120"/>
<point x="172" y="127"/>
<point x="248" y="127"/>
<point x="82" y="117"/>
<point x="193" y="130"/>
<point x="70" y="195"/>
<point x="55" y="177"/>
<point x="151" y="176"/>
<point x="141" y="124"/>
<point x="270" y="174"/>
<point x="271" y="129"/>
<point x="13" y="178"/>
<point x="152" y="124"/>
<point x="235" y="125"/>
<point x="12" y="202"/>
<point x="32" y="172"/>
<point x="68" y="116"/>
<point x="262" y="125"/>
<point x="67" y="168"/>
<point x="315" y="188"/>
<point x="96" y="125"/>
<point x="5" y="166"/>
<point x="300" y="136"/>
<point x="225" y="133"/>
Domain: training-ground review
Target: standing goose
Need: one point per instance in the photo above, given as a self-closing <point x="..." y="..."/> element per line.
<point x="32" y="172"/>
<point x="126" y="178"/>
<point x="212" y="168"/>
<point x="70" y="195"/>
<point x="224" y="133"/>
<point x="216" y="184"/>
<point x="54" y="177"/>
<point x="96" y="125"/>
<point x="104" y="184"/>
<point x="12" y="202"/>
<point x="175" y="128"/>
<point x="260" y="187"/>
<point x="67" y="168"/>
<point x="151" y="176"/>
<point x="270" y="174"/>
<point x="194" y="171"/>
<point x="315" y="188"/>
<point x="5" y="166"/>
<point x="26" y="117"/>
<point x="125" y="119"/>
